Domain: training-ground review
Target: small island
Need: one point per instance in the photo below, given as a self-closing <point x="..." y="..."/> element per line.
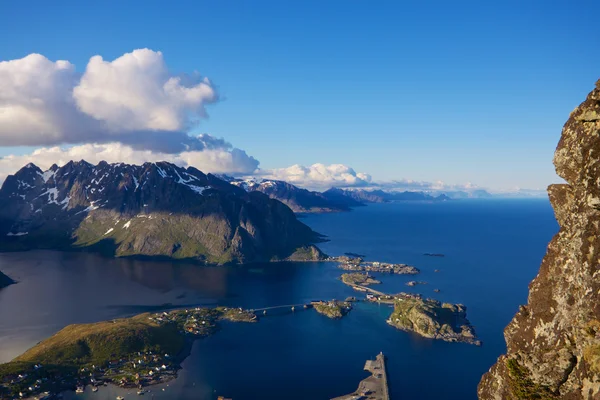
<point x="357" y="264"/>
<point x="333" y="309"/>
<point x="415" y="283"/>
<point x="356" y="278"/>
<point x="130" y="352"/>
<point x="434" y="254"/>
<point x="426" y="317"/>
<point x="432" y="319"/>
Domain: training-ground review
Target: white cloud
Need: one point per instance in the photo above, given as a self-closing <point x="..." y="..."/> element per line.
<point x="133" y="99"/>
<point x="224" y="160"/>
<point x="136" y="92"/>
<point x="319" y="176"/>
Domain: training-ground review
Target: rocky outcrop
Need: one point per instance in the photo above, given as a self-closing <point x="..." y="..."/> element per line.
<point x="432" y="319"/>
<point x="553" y="343"/>
<point x="155" y="209"/>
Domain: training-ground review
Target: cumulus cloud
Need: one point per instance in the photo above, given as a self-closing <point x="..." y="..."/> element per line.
<point x="133" y="100"/>
<point x="319" y="176"/>
<point x="223" y="160"/>
<point x="135" y="92"/>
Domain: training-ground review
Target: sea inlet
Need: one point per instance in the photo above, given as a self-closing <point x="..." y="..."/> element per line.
<point x="492" y="250"/>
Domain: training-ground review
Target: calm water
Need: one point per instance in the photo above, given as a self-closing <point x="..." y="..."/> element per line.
<point x="493" y="249"/>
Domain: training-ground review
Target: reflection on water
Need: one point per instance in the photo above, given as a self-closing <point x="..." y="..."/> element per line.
<point x="492" y="249"/>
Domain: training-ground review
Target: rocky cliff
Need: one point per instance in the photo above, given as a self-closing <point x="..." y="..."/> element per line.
<point x="155" y="209"/>
<point x="553" y="343"/>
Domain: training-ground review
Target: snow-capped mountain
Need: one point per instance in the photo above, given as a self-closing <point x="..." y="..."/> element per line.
<point x="298" y="199"/>
<point x="154" y="209"/>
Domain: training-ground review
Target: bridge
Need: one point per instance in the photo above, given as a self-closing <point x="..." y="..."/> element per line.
<point x="286" y="306"/>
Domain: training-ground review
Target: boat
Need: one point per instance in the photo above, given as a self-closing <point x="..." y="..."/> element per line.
<point x="120" y="398"/>
<point x="140" y="392"/>
<point x="94" y="388"/>
<point x="80" y="389"/>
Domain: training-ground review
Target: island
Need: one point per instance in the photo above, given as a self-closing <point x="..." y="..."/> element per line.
<point x="333" y="309"/>
<point x="357" y="264"/>
<point x="434" y="254"/>
<point x="374" y="387"/>
<point x="415" y="283"/>
<point x="130" y="352"/>
<point x="357" y="278"/>
<point x="427" y="317"/>
<point x="432" y="319"/>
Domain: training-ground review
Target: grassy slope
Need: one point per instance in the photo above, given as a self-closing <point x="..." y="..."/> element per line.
<point x="101" y="342"/>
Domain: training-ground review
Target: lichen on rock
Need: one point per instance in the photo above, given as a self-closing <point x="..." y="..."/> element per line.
<point x="553" y="343"/>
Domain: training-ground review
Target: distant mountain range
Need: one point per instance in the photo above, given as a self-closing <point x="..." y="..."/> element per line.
<point x="299" y="200"/>
<point x="363" y="196"/>
<point x="154" y="209"/>
<point x="332" y="200"/>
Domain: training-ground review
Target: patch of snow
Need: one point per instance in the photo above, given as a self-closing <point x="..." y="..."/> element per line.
<point x="65" y="202"/>
<point x="47" y="175"/>
<point x="108" y="231"/>
<point x="127" y="224"/>
<point x="137" y="184"/>
<point x="91" y="207"/>
<point x="17" y="234"/>
<point x="197" y="189"/>
<point x="161" y="171"/>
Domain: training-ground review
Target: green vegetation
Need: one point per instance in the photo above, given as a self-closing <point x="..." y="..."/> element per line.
<point x="333" y="309"/>
<point x="307" y="253"/>
<point x="432" y="319"/>
<point x="521" y="385"/>
<point x="144" y="349"/>
<point x="356" y="278"/>
<point x="98" y="343"/>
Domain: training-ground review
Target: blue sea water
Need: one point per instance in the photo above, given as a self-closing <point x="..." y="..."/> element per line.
<point x="492" y="248"/>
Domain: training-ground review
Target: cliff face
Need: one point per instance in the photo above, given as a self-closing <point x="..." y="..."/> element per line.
<point x="554" y="341"/>
<point x="155" y="209"/>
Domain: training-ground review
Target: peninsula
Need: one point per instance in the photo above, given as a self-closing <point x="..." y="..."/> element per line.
<point x="130" y="352"/>
<point x="375" y="387"/>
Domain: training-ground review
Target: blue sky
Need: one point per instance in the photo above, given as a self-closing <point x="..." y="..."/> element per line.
<point x="433" y="90"/>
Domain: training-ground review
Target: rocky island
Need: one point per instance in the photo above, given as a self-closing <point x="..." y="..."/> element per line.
<point x="334" y="309"/>
<point x="357" y="264"/>
<point x="130" y="352"/>
<point x="426" y="317"/>
<point x="432" y="319"/>
<point x="150" y="210"/>
<point x="357" y="278"/>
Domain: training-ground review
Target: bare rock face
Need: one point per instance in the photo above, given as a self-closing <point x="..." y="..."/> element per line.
<point x="553" y="343"/>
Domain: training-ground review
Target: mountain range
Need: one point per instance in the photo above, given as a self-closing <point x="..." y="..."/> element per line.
<point x="154" y="209"/>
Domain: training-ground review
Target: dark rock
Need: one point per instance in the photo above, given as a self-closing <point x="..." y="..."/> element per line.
<point x="155" y="209"/>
